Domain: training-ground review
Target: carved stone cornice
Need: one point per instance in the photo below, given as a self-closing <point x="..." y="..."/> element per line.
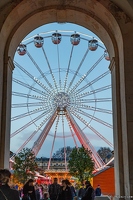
<point x="116" y="10"/>
<point x="118" y="13"/>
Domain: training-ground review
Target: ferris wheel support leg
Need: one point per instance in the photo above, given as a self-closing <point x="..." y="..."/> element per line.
<point x="5" y="113"/>
<point x="83" y="140"/>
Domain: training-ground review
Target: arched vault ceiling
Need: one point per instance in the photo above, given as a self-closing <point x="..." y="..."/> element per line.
<point x="125" y="5"/>
<point x="106" y="17"/>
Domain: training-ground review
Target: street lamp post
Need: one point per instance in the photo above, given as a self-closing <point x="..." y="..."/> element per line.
<point x="42" y="162"/>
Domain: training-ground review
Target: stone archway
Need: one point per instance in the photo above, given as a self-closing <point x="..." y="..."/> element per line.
<point x="113" y="26"/>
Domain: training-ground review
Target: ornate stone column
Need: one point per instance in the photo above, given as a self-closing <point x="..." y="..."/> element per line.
<point x="117" y="129"/>
<point x="6" y="113"/>
<point x="122" y="90"/>
<point x="126" y="79"/>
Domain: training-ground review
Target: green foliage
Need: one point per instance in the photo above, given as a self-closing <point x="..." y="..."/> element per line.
<point x="60" y="154"/>
<point x="81" y="164"/>
<point x="25" y="165"/>
<point x="104" y="152"/>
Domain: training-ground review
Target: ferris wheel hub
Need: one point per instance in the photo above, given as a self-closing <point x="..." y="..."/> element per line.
<point x="66" y="98"/>
<point x="61" y="100"/>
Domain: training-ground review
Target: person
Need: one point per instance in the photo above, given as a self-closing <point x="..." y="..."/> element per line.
<point x="72" y="188"/>
<point x="5" y="191"/>
<point x="37" y="193"/>
<point x="45" y="186"/>
<point x="65" y="191"/>
<point x="41" y="190"/>
<point x="54" y="190"/>
<point x="20" y="191"/>
<point x="81" y="192"/>
<point x="46" y="196"/>
<point x="29" y="190"/>
<point x="98" y="191"/>
<point x="89" y="192"/>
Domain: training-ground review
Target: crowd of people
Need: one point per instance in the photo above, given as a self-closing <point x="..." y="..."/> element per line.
<point x="55" y="191"/>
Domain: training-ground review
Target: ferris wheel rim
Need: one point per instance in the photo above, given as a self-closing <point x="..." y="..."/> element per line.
<point x="57" y="71"/>
<point x="64" y="31"/>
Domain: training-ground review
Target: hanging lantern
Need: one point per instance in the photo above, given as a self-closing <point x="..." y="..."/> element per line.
<point x="21" y="49"/>
<point x="93" y="44"/>
<point x="38" y="41"/>
<point x="56" y="38"/>
<point x="106" y="55"/>
<point x="75" y="39"/>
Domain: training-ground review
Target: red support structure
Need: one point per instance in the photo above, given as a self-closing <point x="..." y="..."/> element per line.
<point x="39" y="142"/>
<point x="84" y="141"/>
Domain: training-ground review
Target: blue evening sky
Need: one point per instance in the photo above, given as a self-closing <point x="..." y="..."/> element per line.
<point x="58" y="57"/>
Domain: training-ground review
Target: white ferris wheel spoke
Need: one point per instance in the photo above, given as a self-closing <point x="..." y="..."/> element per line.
<point x="32" y="135"/>
<point x="58" y="57"/>
<point x="86" y="74"/>
<point x="55" y="97"/>
<point x="86" y="107"/>
<point x="67" y="71"/>
<point x="38" y="68"/>
<point x="30" y="87"/>
<point x="92" y="82"/>
<point x="84" y="141"/>
<point x="80" y="65"/>
<point x="32" y="112"/>
<point x="64" y="141"/>
<point x="51" y="72"/>
<point x="56" y="126"/>
<point x="29" y="123"/>
<point x="75" y="110"/>
<point x="94" y="130"/>
<point x="32" y="77"/>
<point x="92" y="92"/>
<point x="28" y="96"/>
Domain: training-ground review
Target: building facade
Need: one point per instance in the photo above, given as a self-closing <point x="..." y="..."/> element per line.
<point x="56" y="164"/>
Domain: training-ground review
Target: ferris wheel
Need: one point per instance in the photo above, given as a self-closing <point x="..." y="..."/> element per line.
<point x="61" y="90"/>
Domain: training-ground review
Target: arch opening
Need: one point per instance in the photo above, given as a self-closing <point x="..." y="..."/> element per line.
<point x="73" y="78"/>
<point x="114" y="26"/>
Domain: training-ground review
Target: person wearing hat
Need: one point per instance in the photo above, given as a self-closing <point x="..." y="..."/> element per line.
<point x="89" y="192"/>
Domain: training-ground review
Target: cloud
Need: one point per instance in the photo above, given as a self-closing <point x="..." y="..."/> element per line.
<point x="46" y="148"/>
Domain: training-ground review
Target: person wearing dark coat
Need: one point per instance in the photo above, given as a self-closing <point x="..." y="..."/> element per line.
<point x="65" y="191"/>
<point x="81" y="192"/>
<point x="98" y="191"/>
<point x="29" y="190"/>
<point x="54" y="190"/>
<point x="72" y="188"/>
<point x="5" y="191"/>
<point x="88" y="192"/>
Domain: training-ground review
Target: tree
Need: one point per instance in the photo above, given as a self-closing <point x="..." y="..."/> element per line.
<point x="104" y="152"/>
<point x="81" y="164"/>
<point x="60" y="154"/>
<point x="25" y="165"/>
